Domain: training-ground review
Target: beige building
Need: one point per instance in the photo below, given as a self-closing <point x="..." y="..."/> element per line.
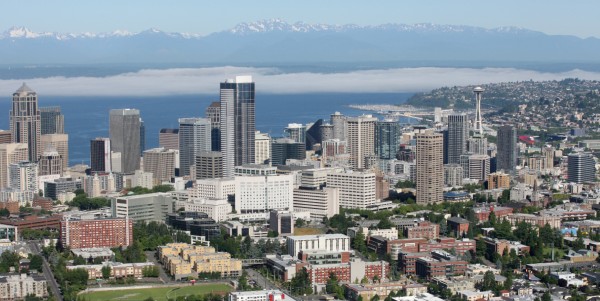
<point x="498" y="180"/>
<point x="319" y="203"/>
<point x="17" y="287"/>
<point x="216" y="209"/>
<point x="182" y="260"/>
<point x="430" y="167"/>
<point x="361" y="139"/>
<point x="535" y="220"/>
<point x="161" y="163"/>
<point x="10" y="153"/>
<point x="117" y="269"/>
<point x="262" y="147"/>
<point x="357" y="189"/>
<point x="61" y="143"/>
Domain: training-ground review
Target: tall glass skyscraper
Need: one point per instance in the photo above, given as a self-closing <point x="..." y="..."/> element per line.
<point x="458" y="133"/>
<point x="387" y="139"/>
<point x="238" y="123"/>
<point x="581" y="168"/>
<point x="25" y="121"/>
<point x="506" y="158"/>
<point x="194" y="138"/>
<point x="53" y="121"/>
<point x="125" y="137"/>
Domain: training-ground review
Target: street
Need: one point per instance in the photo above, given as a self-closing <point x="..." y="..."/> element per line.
<point x="35" y="248"/>
<point x="260" y="279"/>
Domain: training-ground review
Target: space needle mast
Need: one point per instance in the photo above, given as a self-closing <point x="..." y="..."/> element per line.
<point x="478" y="120"/>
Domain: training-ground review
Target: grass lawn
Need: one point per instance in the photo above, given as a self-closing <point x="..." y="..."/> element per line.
<point x="159" y="293"/>
<point x="558" y="253"/>
<point x="307" y="231"/>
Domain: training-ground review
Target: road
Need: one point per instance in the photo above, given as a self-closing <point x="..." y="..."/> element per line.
<point x="260" y="279"/>
<point x="35" y="248"/>
<point x="151" y="256"/>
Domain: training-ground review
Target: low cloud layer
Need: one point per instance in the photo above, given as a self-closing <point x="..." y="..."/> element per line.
<point x="184" y="81"/>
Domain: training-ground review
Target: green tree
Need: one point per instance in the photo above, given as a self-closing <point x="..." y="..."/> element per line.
<point x="301" y="283"/>
<point x="333" y="287"/>
<point x="578" y="244"/>
<point x="106" y="271"/>
<point x="36" y="262"/>
<point x="546" y="296"/>
<point x="489" y="281"/>
<point x="359" y="242"/>
<point x="243" y="282"/>
<point x="300" y="223"/>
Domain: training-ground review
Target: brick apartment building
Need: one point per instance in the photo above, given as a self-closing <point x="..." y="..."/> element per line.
<point x="34" y="222"/>
<point x="483" y="212"/>
<point x="458" y="225"/>
<point x="423" y="229"/>
<point x="440" y="264"/>
<point x="96" y="233"/>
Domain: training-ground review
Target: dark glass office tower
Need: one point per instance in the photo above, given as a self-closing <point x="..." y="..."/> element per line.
<point x="53" y="121"/>
<point x="506" y="157"/>
<point x="458" y="133"/>
<point x="238" y="123"/>
<point x="125" y="137"/>
<point x="387" y="139"/>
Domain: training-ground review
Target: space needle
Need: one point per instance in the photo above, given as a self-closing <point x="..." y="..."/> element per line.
<point x="478" y="120"/>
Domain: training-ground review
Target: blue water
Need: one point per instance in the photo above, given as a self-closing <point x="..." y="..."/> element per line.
<point x="87" y="117"/>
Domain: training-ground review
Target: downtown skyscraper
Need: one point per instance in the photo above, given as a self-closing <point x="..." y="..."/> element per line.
<point x="25" y="121"/>
<point x="387" y="139"/>
<point x="430" y="167"/>
<point x="238" y="123"/>
<point x="125" y="137"/>
<point x="53" y="121"/>
<point x="194" y="138"/>
<point x="458" y="134"/>
<point x="506" y="158"/>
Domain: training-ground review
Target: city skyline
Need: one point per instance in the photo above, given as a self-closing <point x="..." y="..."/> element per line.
<point x="200" y="17"/>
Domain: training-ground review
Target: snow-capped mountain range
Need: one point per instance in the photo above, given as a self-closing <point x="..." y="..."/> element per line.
<point x="264" y="26"/>
<point x="271" y="42"/>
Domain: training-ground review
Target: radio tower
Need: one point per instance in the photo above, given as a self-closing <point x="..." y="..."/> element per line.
<point x="478" y="120"/>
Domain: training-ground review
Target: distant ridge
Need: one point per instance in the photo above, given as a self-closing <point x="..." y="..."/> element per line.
<point x="276" y="42"/>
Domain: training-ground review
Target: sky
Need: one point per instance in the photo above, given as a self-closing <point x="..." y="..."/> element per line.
<point x="577" y="18"/>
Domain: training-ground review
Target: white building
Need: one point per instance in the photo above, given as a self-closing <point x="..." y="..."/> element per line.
<point x="357" y="189"/>
<point x="262" y="147"/>
<point x="17" y="287"/>
<point x="264" y="295"/>
<point x="324" y="242"/>
<point x="99" y="184"/>
<point x="24" y="176"/>
<point x="145" y="207"/>
<point x="213" y="188"/>
<point x="140" y="178"/>
<point x="319" y="203"/>
<point x="263" y="193"/>
<point x="216" y="209"/>
<point x="10" y="153"/>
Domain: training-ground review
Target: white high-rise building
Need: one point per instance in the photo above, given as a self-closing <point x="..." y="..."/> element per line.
<point x="262" y="147"/>
<point x="24" y="176"/>
<point x="357" y="189"/>
<point x="263" y="193"/>
<point x="361" y="139"/>
<point x="10" y="153"/>
<point x="237" y="123"/>
<point x="194" y="138"/>
<point x="213" y="188"/>
<point x="318" y="202"/>
<point x="296" y="132"/>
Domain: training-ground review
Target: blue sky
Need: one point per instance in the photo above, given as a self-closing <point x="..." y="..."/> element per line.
<point x="554" y="17"/>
